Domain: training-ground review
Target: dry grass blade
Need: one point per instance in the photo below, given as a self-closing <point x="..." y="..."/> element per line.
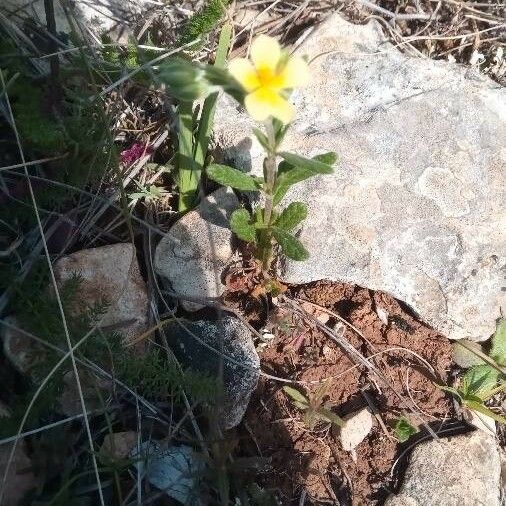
<point x="62" y="312"/>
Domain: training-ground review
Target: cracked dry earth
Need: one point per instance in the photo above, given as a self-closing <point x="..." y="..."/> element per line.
<point x="314" y="460"/>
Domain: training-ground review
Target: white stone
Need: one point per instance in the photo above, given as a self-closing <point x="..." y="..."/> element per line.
<point x="416" y="204"/>
<point x="109" y="273"/>
<point x="356" y="428"/>
<point x="462" y="470"/>
<point x="193" y="254"/>
<point x="175" y="469"/>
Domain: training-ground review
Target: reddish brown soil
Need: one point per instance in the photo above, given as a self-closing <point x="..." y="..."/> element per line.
<point x="314" y="460"/>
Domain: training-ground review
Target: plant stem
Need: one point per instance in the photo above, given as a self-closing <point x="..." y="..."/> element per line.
<point x="270" y="181"/>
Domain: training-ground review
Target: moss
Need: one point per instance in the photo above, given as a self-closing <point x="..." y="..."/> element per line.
<point x="204" y="21"/>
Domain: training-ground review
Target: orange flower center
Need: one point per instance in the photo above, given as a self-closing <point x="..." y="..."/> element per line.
<point x="268" y="78"/>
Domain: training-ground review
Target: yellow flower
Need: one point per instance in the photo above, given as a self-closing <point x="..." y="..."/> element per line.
<point x="266" y="76"/>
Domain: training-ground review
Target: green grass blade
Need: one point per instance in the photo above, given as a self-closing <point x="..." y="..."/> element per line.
<point x="189" y="171"/>
<point x="207" y="117"/>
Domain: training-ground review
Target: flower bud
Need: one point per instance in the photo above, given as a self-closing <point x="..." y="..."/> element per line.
<point x="183" y="80"/>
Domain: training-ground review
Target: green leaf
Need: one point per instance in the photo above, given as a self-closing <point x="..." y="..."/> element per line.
<point x="227" y="176"/>
<point x="289" y="173"/>
<point x="330" y="416"/>
<point x="296" y="395"/>
<point x="451" y="390"/>
<point x="292" y="216"/>
<point x="313" y="165"/>
<point x="241" y="226"/>
<point x="404" y="430"/>
<point x="498" y="350"/>
<point x="290" y="245"/>
<point x="330" y="158"/>
<point x="479" y="380"/>
<point x="480" y="408"/>
<point x="262" y="139"/>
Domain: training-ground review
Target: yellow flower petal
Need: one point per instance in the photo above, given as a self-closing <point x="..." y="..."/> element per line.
<point x="265" y="53"/>
<point x="243" y="71"/>
<point x="265" y="102"/>
<point x="295" y="73"/>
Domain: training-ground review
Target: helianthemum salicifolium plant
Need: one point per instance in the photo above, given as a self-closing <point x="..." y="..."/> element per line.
<point x="263" y="84"/>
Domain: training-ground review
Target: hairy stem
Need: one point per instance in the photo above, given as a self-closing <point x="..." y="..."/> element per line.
<point x="270" y="181"/>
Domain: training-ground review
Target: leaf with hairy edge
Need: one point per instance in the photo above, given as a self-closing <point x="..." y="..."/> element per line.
<point x="498" y="350"/>
<point x="228" y="176"/>
<point x="288" y="179"/>
<point x="290" y="245"/>
<point x="311" y="164"/>
<point x="262" y="139"/>
<point x="289" y="174"/>
<point x="292" y="216"/>
<point x="330" y="416"/>
<point x="479" y="380"/>
<point x="480" y="408"/>
<point x="296" y="395"/>
<point x="241" y="226"/>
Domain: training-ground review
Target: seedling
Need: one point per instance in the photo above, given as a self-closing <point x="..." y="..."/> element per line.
<point x="485" y="380"/>
<point x="314" y="408"/>
<point x="404" y="430"/>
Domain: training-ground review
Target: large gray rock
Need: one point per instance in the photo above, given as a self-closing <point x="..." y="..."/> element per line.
<point x="193" y="254"/>
<point x="460" y="471"/>
<point x="205" y="345"/>
<point x="416" y="205"/>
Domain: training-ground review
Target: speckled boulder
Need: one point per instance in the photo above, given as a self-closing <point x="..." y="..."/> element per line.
<point x="203" y="345"/>
<point x="191" y="257"/>
<point x="460" y="471"/>
<point x="416" y="204"/>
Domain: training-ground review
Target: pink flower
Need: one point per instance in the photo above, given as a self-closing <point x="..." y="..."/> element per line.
<point x="134" y="152"/>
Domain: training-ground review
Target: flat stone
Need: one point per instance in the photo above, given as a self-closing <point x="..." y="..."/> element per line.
<point x="111" y="274"/>
<point x="356" y="428"/>
<point x="204" y="345"/>
<point x="458" y="471"/>
<point x="193" y="254"/>
<point x="416" y="205"/>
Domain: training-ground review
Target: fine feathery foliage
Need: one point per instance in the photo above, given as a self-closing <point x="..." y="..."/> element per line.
<point x="203" y="21"/>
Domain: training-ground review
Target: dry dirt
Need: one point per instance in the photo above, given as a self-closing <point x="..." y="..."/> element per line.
<point x="314" y="460"/>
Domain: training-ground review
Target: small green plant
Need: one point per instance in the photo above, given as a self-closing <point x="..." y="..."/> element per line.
<point x="262" y="85"/>
<point x="150" y="194"/>
<point x="486" y="379"/>
<point x="186" y="83"/>
<point x="203" y="21"/>
<point x="314" y="407"/>
<point x="403" y="429"/>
